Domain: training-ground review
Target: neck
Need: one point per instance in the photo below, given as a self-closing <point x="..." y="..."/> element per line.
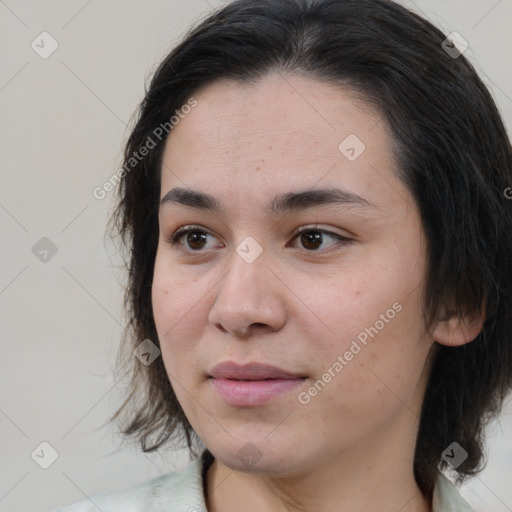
<point x="376" y="477"/>
<point x="257" y="494"/>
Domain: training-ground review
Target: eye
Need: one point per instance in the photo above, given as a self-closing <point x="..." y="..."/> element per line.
<point x="312" y="238"/>
<point x="195" y="238"/>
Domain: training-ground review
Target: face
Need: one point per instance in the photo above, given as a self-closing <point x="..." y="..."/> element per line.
<point x="325" y="288"/>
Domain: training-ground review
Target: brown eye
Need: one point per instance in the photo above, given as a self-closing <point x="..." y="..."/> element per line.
<point x="312" y="239"/>
<point x="195" y="239"/>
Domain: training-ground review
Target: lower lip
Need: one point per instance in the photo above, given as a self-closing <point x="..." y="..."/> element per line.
<point x="244" y="393"/>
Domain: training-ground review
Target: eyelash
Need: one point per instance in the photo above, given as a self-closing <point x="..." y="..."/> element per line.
<point x="174" y="239"/>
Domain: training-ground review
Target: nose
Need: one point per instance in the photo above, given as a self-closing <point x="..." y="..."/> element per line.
<point x="250" y="298"/>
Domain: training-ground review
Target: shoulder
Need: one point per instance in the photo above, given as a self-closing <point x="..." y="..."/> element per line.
<point x="181" y="490"/>
<point x="446" y="497"/>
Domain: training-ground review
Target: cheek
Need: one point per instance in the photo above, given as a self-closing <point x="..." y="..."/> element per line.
<point x="170" y="315"/>
<point x="174" y="296"/>
<point x="342" y="307"/>
<point x="385" y="370"/>
<point x="163" y="302"/>
<point x="375" y="327"/>
<point x="172" y="305"/>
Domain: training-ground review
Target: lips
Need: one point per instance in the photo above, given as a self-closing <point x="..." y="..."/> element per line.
<point x="253" y="384"/>
<point x="251" y="371"/>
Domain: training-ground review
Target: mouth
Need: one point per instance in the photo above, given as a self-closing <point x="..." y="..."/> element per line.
<point x="251" y="372"/>
<point x="253" y="384"/>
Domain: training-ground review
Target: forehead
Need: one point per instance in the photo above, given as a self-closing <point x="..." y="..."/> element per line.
<point x="277" y="105"/>
<point x="281" y="130"/>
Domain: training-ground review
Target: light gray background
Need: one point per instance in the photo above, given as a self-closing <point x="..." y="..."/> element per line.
<point x="63" y="121"/>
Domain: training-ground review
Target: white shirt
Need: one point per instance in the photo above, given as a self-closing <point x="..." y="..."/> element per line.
<point x="182" y="491"/>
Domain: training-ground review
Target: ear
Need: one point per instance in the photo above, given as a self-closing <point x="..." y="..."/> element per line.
<point x="455" y="330"/>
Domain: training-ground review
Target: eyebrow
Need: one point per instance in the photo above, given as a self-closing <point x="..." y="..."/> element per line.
<point x="283" y="203"/>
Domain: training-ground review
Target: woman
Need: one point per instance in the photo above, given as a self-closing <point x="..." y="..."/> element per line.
<point x="314" y="203"/>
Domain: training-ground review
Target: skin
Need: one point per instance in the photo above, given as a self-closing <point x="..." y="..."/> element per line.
<point x="296" y="307"/>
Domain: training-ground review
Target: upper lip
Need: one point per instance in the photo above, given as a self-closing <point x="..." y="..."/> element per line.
<point x="250" y="371"/>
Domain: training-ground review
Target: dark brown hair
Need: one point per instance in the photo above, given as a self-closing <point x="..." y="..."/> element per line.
<point x="453" y="154"/>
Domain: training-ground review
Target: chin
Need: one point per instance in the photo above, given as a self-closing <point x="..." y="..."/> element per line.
<point x="258" y="456"/>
